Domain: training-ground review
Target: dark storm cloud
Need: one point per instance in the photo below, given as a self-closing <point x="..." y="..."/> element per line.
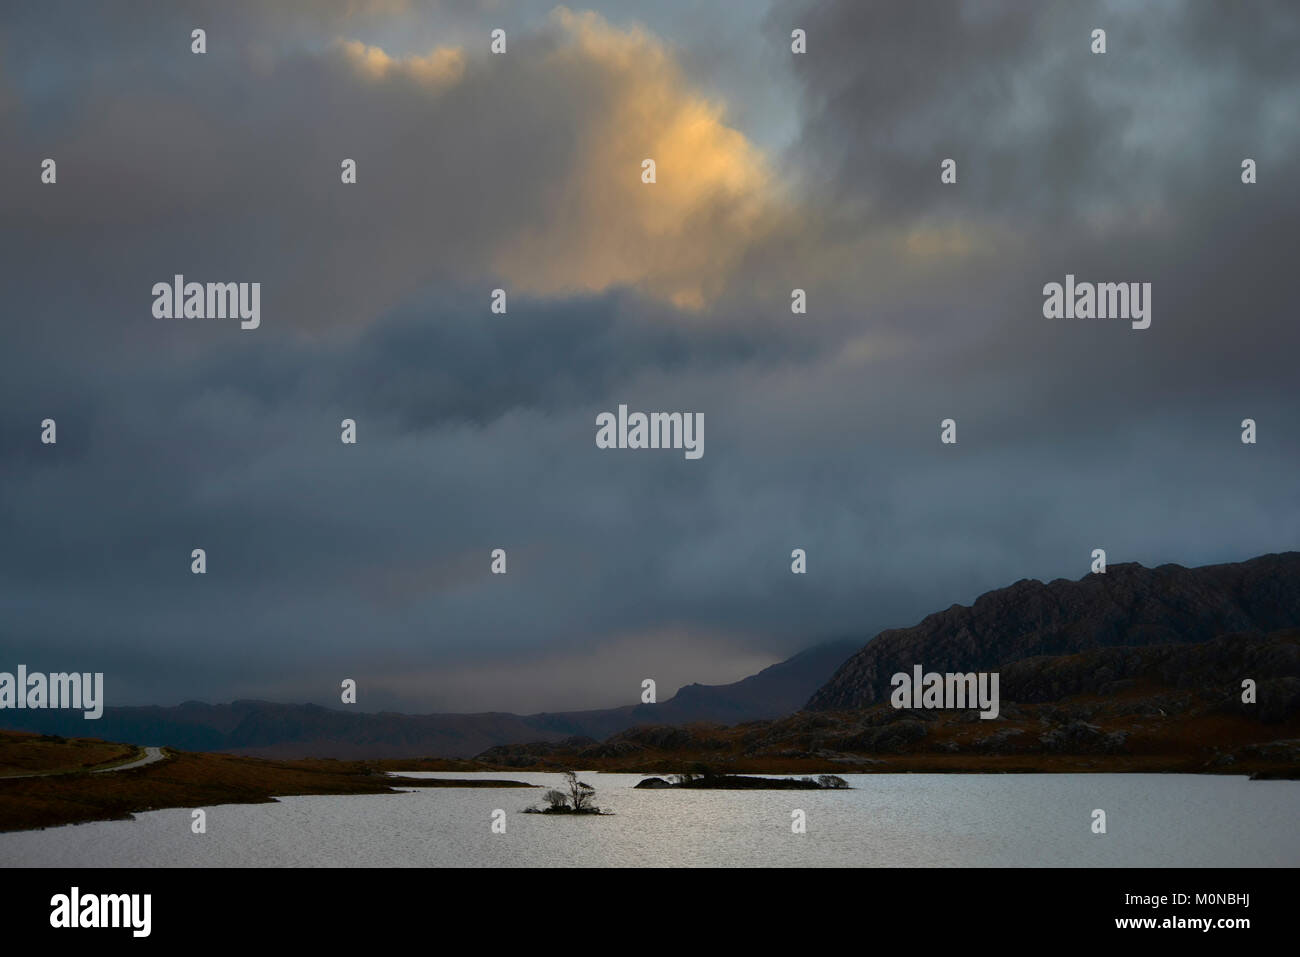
<point x="1041" y="126"/>
<point x="1122" y="166"/>
<point x="476" y="430"/>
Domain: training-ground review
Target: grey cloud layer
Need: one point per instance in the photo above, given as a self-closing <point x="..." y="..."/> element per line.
<point x="477" y="431"/>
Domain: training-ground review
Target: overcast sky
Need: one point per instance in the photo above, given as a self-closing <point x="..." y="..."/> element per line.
<point x="476" y="431"/>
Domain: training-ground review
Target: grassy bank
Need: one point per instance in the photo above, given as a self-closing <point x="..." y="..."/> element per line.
<point x="66" y="792"/>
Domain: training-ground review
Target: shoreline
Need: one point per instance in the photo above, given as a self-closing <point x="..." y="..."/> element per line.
<point x="73" y="792"/>
<point x="923" y="763"/>
<point x="55" y="781"/>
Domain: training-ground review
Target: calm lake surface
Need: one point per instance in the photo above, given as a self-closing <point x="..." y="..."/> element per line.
<point x="887" y="820"/>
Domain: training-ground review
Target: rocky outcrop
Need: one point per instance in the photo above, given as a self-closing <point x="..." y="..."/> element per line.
<point x="1127" y="607"/>
<point x="652" y="783"/>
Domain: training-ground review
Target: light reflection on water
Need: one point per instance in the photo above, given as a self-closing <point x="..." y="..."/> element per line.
<point x="887" y="820"/>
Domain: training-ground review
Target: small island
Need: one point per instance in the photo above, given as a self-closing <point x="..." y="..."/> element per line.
<point x="575" y="798"/>
<point x="713" y="780"/>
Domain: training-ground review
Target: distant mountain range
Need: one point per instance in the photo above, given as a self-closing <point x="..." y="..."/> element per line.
<point x="1169" y="642"/>
<point x="293" y="730"/>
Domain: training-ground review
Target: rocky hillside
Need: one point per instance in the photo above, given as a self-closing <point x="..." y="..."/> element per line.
<point x="1128" y="606"/>
<point x="1171" y="707"/>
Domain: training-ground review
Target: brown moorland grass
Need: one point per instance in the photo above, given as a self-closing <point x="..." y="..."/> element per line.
<point x="22" y="752"/>
<point x="186" y="780"/>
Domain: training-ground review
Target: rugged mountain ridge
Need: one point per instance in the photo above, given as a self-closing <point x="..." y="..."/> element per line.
<point x="1127" y="606"/>
<point x="1168" y="707"/>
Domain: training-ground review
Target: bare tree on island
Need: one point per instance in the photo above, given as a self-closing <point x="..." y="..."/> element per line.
<point x="580" y="793"/>
<point x="572" y="797"/>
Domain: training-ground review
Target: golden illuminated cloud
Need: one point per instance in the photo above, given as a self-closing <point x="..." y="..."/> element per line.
<point x="678" y="239"/>
<point x="440" y="68"/>
<point x="622" y="98"/>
